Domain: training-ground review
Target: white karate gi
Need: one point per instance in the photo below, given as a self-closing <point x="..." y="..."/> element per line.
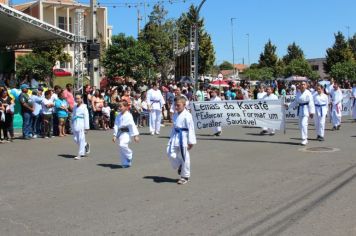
<point x="80" y="123"/>
<point x="336" y="107"/>
<point x="353" y="100"/>
<point x="122" y="122"/>
<point x="270" y="97"/>
<point x="181" y="135"/>
<point x="155" y="102"/>
<point x="305" y="103"/>
<point x="216" y="129"/>
<point x="261" y="95"/>
<point x="187" y="105"/>
<point x="321" y="103"/>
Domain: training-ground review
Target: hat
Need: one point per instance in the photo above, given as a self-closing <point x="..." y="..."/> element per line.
<point x="40" y="89"/>
<point x="24" y="86"/>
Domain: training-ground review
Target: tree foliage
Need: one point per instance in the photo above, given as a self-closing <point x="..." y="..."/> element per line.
<point x="206" y="47"/>
<point x="34" y="65"/>
<point x="300" y="67"/>
<point x="339" y="52"/>
<point x="269" y="57"/>
<point x="293" y="52"/>
<point x="225" y="65"/>
<point x="344" y="70"/>
<point x="53" y="52"/>
<point x="158" y="36"/>
<point x="264" y="73"/>
<point x="127" y="57"/>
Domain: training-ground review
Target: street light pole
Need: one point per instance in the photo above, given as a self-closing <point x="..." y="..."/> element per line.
<point x="232" y="43"/>
<point x="196" y="48"/>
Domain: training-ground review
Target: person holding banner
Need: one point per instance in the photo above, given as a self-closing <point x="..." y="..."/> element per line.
<point x="321" y="102"/>
<point x="353" y="96"/>
<point x="304" y="102"/>
<point x="215" y="98"/>
<point x="336" y="106"/>
<point x="261" y="92"/>
<point x="269" y="96"/>
<point x="155" y="103"/>
<point x="182" y="139"/>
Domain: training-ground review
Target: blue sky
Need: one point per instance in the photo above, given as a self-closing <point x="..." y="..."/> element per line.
<point x="310" y="23"/>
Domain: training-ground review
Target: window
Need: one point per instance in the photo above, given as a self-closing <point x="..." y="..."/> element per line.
<point x="62" y="23"/>
<point x="315" y="67"/>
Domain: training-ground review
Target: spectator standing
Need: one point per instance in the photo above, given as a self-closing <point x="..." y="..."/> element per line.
<point x="26" y="111"/>
<point x="61" y="106"/>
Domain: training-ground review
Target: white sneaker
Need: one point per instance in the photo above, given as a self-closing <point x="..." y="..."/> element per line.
<point x="157" y="133"/>
<point x="152" y="133"/>
<point x="304" y="142"/>
<point x="77" y="158"/>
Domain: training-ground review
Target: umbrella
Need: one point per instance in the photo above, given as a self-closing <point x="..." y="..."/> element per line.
<point x="296" y="78"/>
<point x="219" y="83"/>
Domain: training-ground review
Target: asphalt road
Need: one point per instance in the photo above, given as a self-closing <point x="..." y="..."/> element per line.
<point x="242" y="184"/>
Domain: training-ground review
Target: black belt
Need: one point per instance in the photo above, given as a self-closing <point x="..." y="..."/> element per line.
<point x="125" y="129"/>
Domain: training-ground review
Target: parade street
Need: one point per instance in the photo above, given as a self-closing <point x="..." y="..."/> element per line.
<point x="241" y="184"/>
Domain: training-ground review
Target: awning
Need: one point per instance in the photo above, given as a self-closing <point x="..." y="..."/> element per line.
<point x="19" y="30"/>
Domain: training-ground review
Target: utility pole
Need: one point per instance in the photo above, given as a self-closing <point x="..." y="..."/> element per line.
<point x="233" y="46"/>
<point x="94" y="63"/>
<point x="139" y="18"/>
<point x="196" y="48"/>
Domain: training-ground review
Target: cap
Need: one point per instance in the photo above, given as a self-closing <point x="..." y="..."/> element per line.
<point x="24" y="86"/>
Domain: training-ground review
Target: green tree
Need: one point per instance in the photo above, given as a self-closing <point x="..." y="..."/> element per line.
<point x="33" y="65"/>
<point x="225" y="65"/>
<point x="269" y="57"/>
<point x="300" y="67"/>
<point x="293" y="52"/>
<point x="158" y="35"/>
<point x="339" y="52"/>
<point x="264" y="73"/>
<point x="127" y="57"/>
<point x="53" y="52"/>
<point x="344" y="70"/>
<point x="352" y="44"/>
<point x="206" y="47"/>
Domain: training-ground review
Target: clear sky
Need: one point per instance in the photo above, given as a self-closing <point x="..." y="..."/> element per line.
<point x="310" y="23"/>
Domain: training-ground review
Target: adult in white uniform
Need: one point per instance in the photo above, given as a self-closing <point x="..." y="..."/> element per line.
<point x="305" y="103"/>
<point x="353" y="100"/>
<point x="321" y="102"/>
<point x="80" y="123"/>
<point x="215" y="98"/>
<point x="124" y="129"/>
<point x="269" y="96"/>
<point x="336" y="106"/>
<point x="155" y="103"/>
<point x="182" y="139"/>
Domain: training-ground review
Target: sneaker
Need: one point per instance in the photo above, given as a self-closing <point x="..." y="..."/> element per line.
<point x="321" y="138"/>
<point x="87" y="148"/>
<point x="334" y="128"/>
<point x="35" y="136"/>
<point x="152" y="133"/>
<point x="304" y="142"/>
<point x="338" y="127"/>
<point x="183" y="181"/>
<point x="218" y="133"/>
<point x="263" y="132"/>
<point x="157" y="133"/>
<point x="78" y="158"/>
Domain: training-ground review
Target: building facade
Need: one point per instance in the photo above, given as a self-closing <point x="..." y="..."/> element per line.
<point x="317" y="65"/>
<point x="61" y="13"/>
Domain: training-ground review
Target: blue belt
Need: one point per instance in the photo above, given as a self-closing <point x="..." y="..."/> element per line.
<point x="301" y="105"/>
<point x="180" y="131"/>
<point x="321" y="108"/>
<point x="354" y="102"/>
<point x="78" y="117"/>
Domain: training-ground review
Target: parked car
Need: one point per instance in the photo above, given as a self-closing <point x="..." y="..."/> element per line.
<point x="61" y="73"/>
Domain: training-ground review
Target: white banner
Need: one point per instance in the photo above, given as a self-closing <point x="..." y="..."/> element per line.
<point x="255" y="113"/>
<point x="346" y="102"/>
<point x="291" y="113"/>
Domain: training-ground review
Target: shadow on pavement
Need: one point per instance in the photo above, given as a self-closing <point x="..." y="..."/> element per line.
<point x="66" y="156"/>
<point x="111" y="166"/>
<point x="160" y="179"/>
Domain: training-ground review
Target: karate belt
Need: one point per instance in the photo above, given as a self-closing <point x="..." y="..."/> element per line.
<point x="301" y="105"/>
<point x="354" y="102"/>
<point x="320" y="106"/>
<point x="155" y="101"/>
<point x="122" y="130"/>
<point x="180" y="131"/>
<point x="78" y="117"/>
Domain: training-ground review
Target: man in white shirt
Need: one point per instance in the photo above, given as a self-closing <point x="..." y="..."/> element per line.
<point x="269" y="96"/>
<point x="155" y="103"/>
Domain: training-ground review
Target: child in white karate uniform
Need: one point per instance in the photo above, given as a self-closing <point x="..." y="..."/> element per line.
<point x="124" y="129"/>
<point x="181" y="140"/>
<point x="80" y="123"/>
